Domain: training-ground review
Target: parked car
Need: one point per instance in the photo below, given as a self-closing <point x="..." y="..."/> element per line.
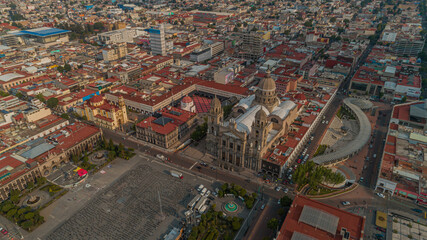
<point x="4" y="231"/>
<point x="262" y="207"/>
<point x="200" y="187"/>
<point x="285" y="190"/>
<point x="345" y="203"/>
<point x="380" y="195"/>
<point x="278" y="188"/>
<point x="208" y="193"/>
<point x="381" y="229"/>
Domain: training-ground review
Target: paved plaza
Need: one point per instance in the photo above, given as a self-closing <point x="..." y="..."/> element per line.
<point x="129" y="209"/>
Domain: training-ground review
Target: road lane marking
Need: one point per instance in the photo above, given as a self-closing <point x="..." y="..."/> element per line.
<point x="193" y="165"/>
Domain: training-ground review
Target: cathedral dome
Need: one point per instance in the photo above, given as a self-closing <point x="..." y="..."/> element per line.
<point x="186" y="99"/>
<point x="267" y="84"/>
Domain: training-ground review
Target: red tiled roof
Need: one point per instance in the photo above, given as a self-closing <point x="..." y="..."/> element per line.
<point x="353" y="223"/>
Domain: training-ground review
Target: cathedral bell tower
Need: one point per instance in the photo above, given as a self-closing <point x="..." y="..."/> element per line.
<point x="215" y="116"/>
<point x="259" y="133"/>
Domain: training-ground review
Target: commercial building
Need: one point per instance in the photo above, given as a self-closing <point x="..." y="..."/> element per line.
<point x="257" y="121"/>
<point x="166" y="128"/>
<point x="117" y="36"/>
<point x="39" y="157"/>
<point x="408" y="47"/>
<point x="157" y="40"/>
<point x="309" y="220"/>
<point x="43" y="35"/>
<point x="104" y="114"/>
<point x="402" y="170"/>
<point x="208" y="52"/>
<point x="114" y="52"/>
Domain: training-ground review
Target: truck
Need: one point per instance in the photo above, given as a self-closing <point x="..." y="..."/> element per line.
<point x="176" y="174"/>
<point x="194" y="201"/>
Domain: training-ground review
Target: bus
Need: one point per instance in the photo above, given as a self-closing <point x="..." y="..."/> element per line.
<point x="200" y="204"/>
<point x="194" y="201"/>
<point x="176" y="174"/>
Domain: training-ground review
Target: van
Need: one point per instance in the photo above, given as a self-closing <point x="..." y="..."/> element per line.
<point x="204" y="190"/>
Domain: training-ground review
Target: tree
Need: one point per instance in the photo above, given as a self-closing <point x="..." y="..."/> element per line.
<point x="273" y="224"/>
<point x="333" y="19"/>
<point x="65" y="116"/>
<point x="30" y="185"/>
<point x="281" y="211"/>
<point x="41" y="97"/>
<point x="19" y="95"/>
<point x="11" y="213"/>
<point x="111" y="145"/>
<point x="7" y="207"/>
<point x="285" y="201"/>
<point x="27" y="224"/>
<point x="52" y="102"/>
<point x="40" y="181"/>
<point x="236" y="225"/>
<point x="67" y="67"/>
<point x="121" y="150"/>
<point x="29" y="215"/>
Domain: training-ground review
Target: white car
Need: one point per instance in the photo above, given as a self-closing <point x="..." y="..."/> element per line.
<point x="160" y="156"/>
<point x="204" y="190"/>
<point x="285" y="190"/>
<point x="208" y="193"/>
<point x="345" y="203"/>
<point x="200" y="187"/>
<point x="323" y="122"/>
<point x="380" y="195"/>
<point x="278" y="188"/>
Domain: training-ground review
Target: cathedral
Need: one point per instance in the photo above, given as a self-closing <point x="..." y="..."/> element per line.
<point x="256" y="122"/>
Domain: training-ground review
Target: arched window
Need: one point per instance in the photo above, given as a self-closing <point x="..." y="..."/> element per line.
<point x="274" y="120"/>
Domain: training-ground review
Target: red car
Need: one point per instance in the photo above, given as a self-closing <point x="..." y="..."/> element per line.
<point x="4" y="231"/>
<point x="299" y="160"/>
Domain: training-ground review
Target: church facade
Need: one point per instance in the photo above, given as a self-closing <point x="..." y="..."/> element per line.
<point x="256" y="123"/>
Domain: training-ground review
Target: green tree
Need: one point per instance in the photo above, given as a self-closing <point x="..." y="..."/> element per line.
<point x="27" y="224"/>
<point x="65" y="116"/>
<point x="285" y="201"/>
<point x="236" y="225"/>
<point x="67" y="67"/>
<point x="111" y="145"/>
<point x="41" y="180"/>
<point x="4" y="94"/>
<point x="29" y="215"/>
<point x="30" y="185"/>
<point x="52" y="102"/>
<point x="333" y="19"/>
<point x="273" y="224"/>
<point x="7" y="207"/>
<point x="19" y="95"/>
<point x="11" y="213"/>
<point x="41" y="97"/>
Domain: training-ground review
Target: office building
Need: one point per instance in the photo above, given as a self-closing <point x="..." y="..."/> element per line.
<point x="117" y="36"/>
<point x="157" y="40"/>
